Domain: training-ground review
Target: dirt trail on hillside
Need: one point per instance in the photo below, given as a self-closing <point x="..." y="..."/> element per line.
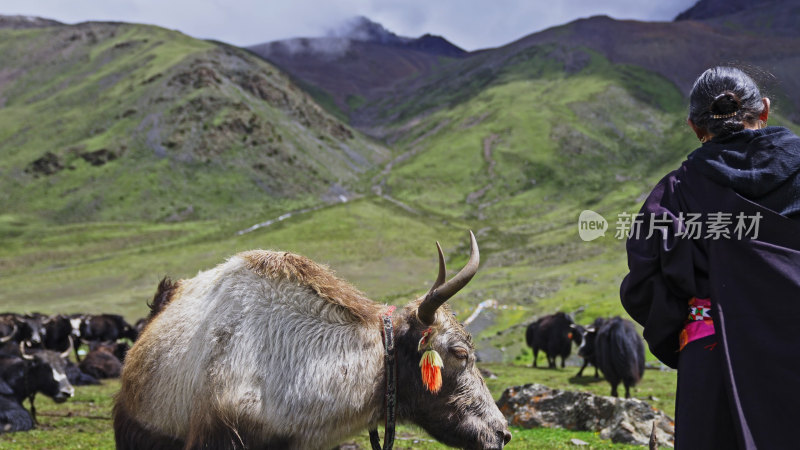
<point x="489" y="143"/>
<point x="379" y="182"/>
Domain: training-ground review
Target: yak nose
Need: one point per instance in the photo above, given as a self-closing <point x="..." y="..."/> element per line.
<point x="67" y="391"/>
<point x="63" y="395"/>
<point x="505" y="435"/>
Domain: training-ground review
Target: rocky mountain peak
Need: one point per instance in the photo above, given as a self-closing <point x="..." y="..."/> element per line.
<point x="363" y="29"/>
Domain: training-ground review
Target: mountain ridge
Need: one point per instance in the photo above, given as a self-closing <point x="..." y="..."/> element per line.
<point x="659" y="47"/>
<point x="21" y="22"/>
<point x="99" y="117"/>
<point x="759" y="37"/>
<point x="358" y="63"/>
<point x="712" y="9"/>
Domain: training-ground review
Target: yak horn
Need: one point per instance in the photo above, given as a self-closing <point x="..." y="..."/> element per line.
<point x="65" y="353"/>
<point x="441" y="290"/>
<point x="22" y="352"/>
<point x="10" y="336"/>
<point x="440" y="279"/>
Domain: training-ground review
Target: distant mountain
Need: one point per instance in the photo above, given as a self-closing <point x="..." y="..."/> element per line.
<point x="767" y="17"/>
<point x="362" y="29"/>
<point x="102" y="120"/>
<point x="358" y="63"/>
<point x="709" y="9"/>
<point x="21" y="22"/>
<point x="111" y="121"/>
<point x="681" y="50"/>
<point x="371" y="74"/>
<point x="677" y="51"/>
<point x="764" y="39"/>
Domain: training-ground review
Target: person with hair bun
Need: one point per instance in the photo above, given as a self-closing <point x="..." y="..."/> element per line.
<point x="714" y="272"/>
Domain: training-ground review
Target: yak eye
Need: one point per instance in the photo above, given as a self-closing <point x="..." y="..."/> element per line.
<point x="459" y="352"/>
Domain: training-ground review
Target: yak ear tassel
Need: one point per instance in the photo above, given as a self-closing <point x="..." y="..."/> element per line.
<point x="431" y="364"/>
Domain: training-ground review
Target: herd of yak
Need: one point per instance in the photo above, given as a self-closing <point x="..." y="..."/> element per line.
<point x="34" y="350"/>
<point x="34" y="357"/>
<point x="611" y="345"/>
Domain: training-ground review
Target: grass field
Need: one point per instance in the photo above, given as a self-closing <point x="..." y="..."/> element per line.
<point x="383" y="249"/>
<point x="84" y="422"/>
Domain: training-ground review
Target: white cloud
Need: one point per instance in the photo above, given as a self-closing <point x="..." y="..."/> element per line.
<point x="471" y="24"/>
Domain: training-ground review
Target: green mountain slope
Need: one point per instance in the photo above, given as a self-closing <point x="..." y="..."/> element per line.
<point x="517" y="144"/>
<point x="659" y="48"/>
<point x="520" y="155"/>
<point x="536" y="130"/>
<point x="106" y="121"/>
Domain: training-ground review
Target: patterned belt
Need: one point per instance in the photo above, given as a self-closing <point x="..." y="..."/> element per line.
<point x="699" y="324"/>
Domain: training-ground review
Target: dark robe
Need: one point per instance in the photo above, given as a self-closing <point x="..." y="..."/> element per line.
<point x="753" y="283"/>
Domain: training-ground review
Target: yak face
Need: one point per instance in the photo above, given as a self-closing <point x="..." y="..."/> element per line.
<point x="586" y="349"/>
<point x="576" y="333"/>
<point x="30" y="330"/>
<point x="49" y="374"/>
<point x="75" y="326"/>
<point x="57" y="332"/>
<point x="463" y="413"/>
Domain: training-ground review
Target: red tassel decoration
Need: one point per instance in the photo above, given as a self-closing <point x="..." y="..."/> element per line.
<point x="431" y="364"/>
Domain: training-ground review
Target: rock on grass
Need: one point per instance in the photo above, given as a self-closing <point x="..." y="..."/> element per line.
<point x="628" y="421"/>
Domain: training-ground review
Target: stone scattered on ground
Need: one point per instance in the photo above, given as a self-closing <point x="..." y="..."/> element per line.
<point x="628" y="421"/>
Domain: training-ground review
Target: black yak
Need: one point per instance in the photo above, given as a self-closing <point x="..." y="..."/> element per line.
<point x="619" y="352"/>
<point x="554" y="334"/>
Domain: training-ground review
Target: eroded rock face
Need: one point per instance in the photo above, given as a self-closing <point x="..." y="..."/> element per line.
<point x="628" y="421"/>
<point x="99" y="157"/>
<point x="48" y="164"/>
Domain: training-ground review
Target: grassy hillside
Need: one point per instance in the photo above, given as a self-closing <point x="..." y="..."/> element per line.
<point x="115" y="266"/>
<point x="517" y="151"/>
<point x="108" y="121"/>
<point x="516" y="161"/>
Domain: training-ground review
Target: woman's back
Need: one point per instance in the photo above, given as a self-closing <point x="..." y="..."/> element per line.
<point x="717" y="288"/>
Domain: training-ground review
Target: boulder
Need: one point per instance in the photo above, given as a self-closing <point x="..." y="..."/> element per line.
<point x="48" y="164"/>
<point x="628" y="421"/>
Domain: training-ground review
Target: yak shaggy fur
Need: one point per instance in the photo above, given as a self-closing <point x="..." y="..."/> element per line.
<point x="268" y="349"/>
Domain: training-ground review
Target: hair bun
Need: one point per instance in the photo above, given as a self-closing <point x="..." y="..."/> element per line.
<point x="725" y="105"/>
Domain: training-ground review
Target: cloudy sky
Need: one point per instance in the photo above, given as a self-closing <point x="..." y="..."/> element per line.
<point x="470" y="24"/>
